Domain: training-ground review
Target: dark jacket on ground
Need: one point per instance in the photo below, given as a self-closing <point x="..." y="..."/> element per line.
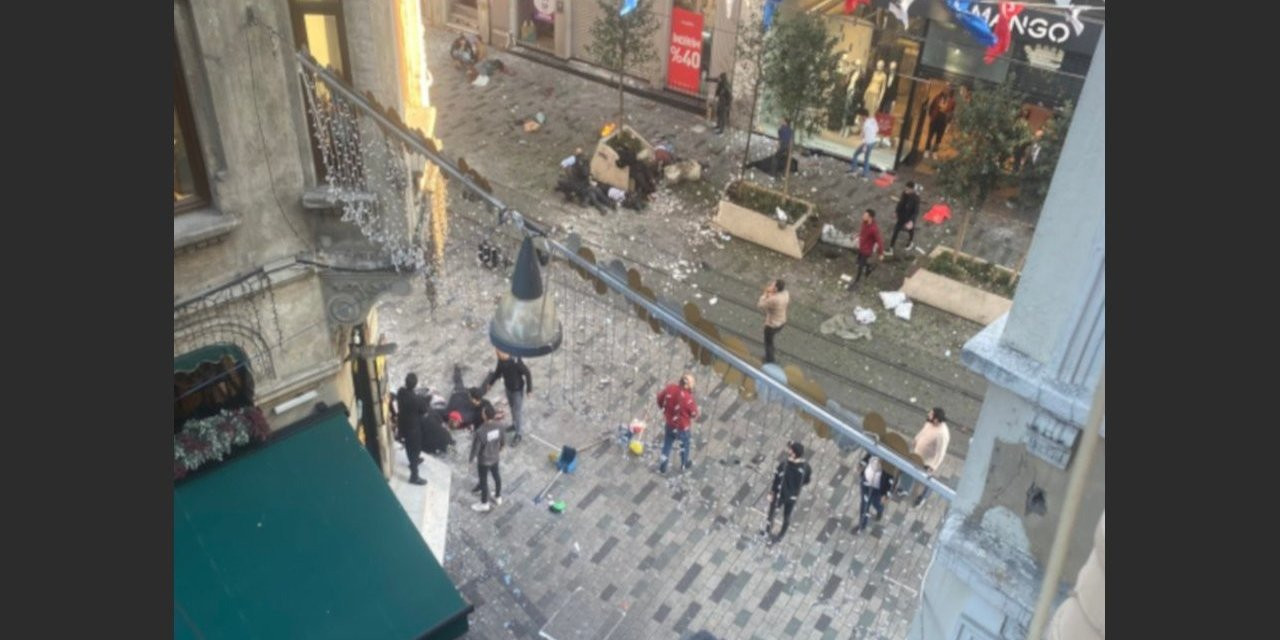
<point x="515" y="375"/>
<point x="487" y="442"/>
<point x="435" y="436"/>
<point x="790" y="476"/>
<point x="410" y="409"/>
<point x="472" y="416"/>
<point x="908" y="207"/>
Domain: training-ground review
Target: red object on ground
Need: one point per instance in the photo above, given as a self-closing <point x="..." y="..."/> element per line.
<point x="885" y="180"/>
<point x="850" y="5"/>
<point x="938" y="213"/>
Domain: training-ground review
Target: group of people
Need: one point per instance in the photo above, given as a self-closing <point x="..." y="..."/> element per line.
<point x="467" y="54"/>
<point x="578" y="186"/>
<point x="420" y="421"/>
<point x="876" y="479"/>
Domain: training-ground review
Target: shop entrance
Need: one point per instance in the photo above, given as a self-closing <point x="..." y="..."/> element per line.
<point x="537" y="24"/>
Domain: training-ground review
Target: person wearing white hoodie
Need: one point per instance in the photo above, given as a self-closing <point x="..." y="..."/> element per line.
<point x="870" y="136"/>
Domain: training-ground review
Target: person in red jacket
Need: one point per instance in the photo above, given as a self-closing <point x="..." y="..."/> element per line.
<point x="869" y="242"/>
<point x="679" y="411"/>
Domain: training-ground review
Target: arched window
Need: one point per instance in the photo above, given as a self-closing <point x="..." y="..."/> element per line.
<point x="208" y="380"/>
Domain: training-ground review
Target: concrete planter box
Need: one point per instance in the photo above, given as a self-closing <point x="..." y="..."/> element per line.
<point x="794" y="239"/>
<point x="954" y="297"/>
<point x="604" y="163"/>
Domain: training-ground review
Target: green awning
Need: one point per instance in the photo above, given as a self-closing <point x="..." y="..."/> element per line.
<point x="302" y="538"/>
<point x="188" y="362"/>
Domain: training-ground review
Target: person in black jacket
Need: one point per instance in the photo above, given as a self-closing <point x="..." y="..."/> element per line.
<point x="908" y="209"/>
<point x="724" y="97"/>
<point x="518" y="382"/>
<point x="792" y="474"/>
<point x="410" y="411"/>
<point x="875" y="482"/>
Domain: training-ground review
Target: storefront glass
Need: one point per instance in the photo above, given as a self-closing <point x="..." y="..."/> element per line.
<point x="538" y="24"/>
<point x="689" y="55"/>
<point x="878" y="66"/>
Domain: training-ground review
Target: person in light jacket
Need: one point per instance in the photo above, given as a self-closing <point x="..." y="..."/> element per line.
<point x="931" y="445"/>
<point x="875" y="482"/>
<point x="773" y="302"/>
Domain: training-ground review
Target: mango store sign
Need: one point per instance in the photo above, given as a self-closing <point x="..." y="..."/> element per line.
<point x="1045" y="27"/>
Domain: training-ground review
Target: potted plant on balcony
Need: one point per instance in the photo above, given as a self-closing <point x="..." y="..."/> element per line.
<point x="798" y="71"/>
<point x="204" y="440"/>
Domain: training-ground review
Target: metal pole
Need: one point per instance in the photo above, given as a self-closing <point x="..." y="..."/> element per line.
<point x="668" y="318"/>
<point x="1070" y="508"/>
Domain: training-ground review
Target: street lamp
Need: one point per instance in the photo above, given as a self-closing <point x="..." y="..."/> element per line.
<point x="525" y="324"/>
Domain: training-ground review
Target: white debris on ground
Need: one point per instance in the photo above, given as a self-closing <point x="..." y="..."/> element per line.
<point x="892" y="299"/>
<point x="903" y="311"/>
<point x="832" y="235"/>
<point x="864" y="315"/>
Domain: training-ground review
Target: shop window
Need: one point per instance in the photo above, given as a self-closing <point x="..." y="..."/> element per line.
<point x="209" y="380"/>
<point x="190" y="182"/>
<point x="319" y="26"/>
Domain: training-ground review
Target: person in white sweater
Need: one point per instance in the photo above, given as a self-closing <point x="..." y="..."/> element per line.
<point x="931" y="445"/>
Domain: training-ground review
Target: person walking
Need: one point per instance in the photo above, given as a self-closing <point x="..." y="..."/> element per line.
<point x="410" y="411"/>
<point x="518" y="382"/>
<point x="869" y="242"/>
<point x="875" y="482"/>
<point x="931" y="445"/>
<point x="870" y="136"/>
<point x="773" y="302"/>
<point x="907" y="210"/>
<point x="487" y="443"/>
<point x="724" y="97"/>
<point x="792" y="474"/>
<point x="679" y="410"/>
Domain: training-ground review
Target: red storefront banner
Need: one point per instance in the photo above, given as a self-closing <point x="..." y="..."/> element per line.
<point x="684" y="63"/>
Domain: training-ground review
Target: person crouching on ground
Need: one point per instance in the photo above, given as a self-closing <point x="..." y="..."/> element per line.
<point x="487" y="443"/>
<point x="792" y="474"/>
<point x="679" y="410"/>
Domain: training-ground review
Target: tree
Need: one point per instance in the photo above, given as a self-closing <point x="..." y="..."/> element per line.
<point x="1037" y="176"/>
<point x="620" y="43"/>
<point x="750" y="47"/>
<point x="984" y="134"/>
<point x="800" y="67"/>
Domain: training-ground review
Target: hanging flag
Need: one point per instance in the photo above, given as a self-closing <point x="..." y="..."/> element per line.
<point x="974" y="24"/>
<point x="851" y="5"/>
<point x="770" y="8"/>
<point x="628" y="6"/>
<point x="1004" y="30"/>
<point x="899" y="9"/>
<point x="1075" y="20"/>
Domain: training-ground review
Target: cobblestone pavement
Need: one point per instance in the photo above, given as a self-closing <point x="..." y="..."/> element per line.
<point x="905" y="368"/>
<point x="646" y="555"/>
<point x="635" y="552"/>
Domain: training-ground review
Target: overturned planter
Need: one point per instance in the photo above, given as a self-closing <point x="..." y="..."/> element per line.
<point x="955" y="297"/>
<point x="793" y="238"/>
<point x="604" y="163"/>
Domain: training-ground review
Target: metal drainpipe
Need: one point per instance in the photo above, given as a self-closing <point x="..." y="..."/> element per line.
<point x="1071" y="507"/>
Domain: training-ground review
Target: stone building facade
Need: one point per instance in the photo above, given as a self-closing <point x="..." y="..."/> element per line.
<point x="1044" y="361"/>
<point x="269" y="279"/>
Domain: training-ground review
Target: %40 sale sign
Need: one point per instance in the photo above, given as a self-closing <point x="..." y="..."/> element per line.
<point x="684" y="66"/>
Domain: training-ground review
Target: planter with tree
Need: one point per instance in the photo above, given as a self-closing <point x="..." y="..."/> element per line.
<point x="797" y="70"/>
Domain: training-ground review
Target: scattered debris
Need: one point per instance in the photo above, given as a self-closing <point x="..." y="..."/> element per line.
<point x="903" y="310"/>
<point x="864" y="315"/>
<point x="892" y="299"/>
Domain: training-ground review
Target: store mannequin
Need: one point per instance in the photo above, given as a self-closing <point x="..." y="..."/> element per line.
<point x="891" y="89"/>
<point x="875" y="89"/>
<point x="851" y="104"/>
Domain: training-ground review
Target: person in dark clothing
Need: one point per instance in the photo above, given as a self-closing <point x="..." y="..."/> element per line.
<point x="792" y="474"/>
<point x="875" y="482"/>
<point x="724" y="97"/>
<point x="785" y="138"/>
<point x="410" y="411"/>
<point x="482" y="409"/>
<point x="576" y="181"/>
<point x="908" y="209"/>
<point x="486" y="443"/>
<point x="518" y="382"/>
<point x="435" y="437"/>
